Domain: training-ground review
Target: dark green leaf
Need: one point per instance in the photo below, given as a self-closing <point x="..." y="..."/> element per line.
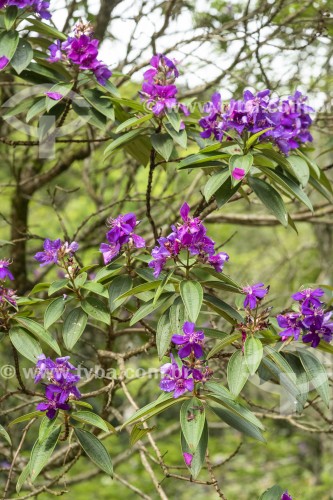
<point x="96" y="309"/>
<point x="192" y="295"/>
<point x="119" y="286"/>
<point x="163" y="144"/>
<point x="90" y="418"/>
<point x="214" y="183"/>
<point x="163" y="334"/>
<point x="53" y="312"/>
<point x="42" y="452"/>
<point x="37" y="330"/>
<point x="149" y="307"/>
<point x="74" y="326"/>
<point x="8" y="43"/>
<point x="270" y="198"/>
<point x="237" y="372"/>
<point x="11" y="13"/>
<point x="179" y="137"/>
<point x="23" y="56"/>
<point x="316" y="373"/>
<point x="25" y="343"/>
<point x="192" y="420"/>
<point x="95" y="450"/>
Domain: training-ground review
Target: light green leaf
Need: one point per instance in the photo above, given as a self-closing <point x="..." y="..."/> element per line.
<point x="163" y="334"/>
<point x="149" y="307"/>
<point x="37" y="330"/>
<point x="74" y="326"/>
<point x="316" y="373"/>
<point x="95" y="450"/>
<point x="90" y="418"/>
<point x="243" y="162"/>
<point x="138" y="433"/>
<point x="96" y="309"/>
<point x="23" y="56"/>
<point x="23" y="477"/>
<point x="8" y="43"/>
<point x="192" y="295"/>
<point x="27" y="416"/>
<point x="119" y="286"/>
<point x="53" y="312"/>
<point x="25" y="344"/>
<point x="299" y="168"/>
<point x="192" y="420"/>
<point x="253" y="352"/>
<point x="122" y="140"/>
<point x="5" y="434"/>
<point x="42" y="452"/>
<point x="57" y="285"/>
<point x="215" y="182"/>
<point x="11" y="13"/>
<point x="199" y="455"/>
<point x="132" y="122"/>
<point x="224" y="343"/>
<point x="273" y="493"/>
<point x="179" y="137"/>
<point x="237" y="372"/>
<point x="46" y="427"/>
<point x="163" y="144"/>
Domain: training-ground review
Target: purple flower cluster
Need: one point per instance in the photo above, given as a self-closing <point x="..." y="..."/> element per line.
<point x="4" y="270"/>
<point x="81" y="50"/>
<point x="40" y="7"/>
<point x="121" y="232"/>
<point x="182" y="379"/>
<point x="7" y="295"/>
<point x="54" y="251"/>
<point x="158" y="89"/>
<point x="311" y="320"/>
<point x="62" y="387"/>
<point x="254" y="294"/>
<point x="288" y="120"/>
<point x="190" y="236"/>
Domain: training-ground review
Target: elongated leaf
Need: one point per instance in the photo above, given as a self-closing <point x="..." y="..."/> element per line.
<point x="46" y="427"/>
<point x="23" y="477"/>
<point x="253" y="138"/>
<point x="174" y="119"/>
<point x="57" y="285"/>
<point x="200" y="453"/>
<point x="37" y="330"/>
<point x="177" y="316"/>
<point x="23" y="56"/>
<point x="163" y="144"/>
<point x="237" y="372"/>
<point x="164" y="401"/>
<point x="299" y="169"/>
<point x="90" y="418"/>
<point x="42" y="452"/>
<point x="144" y="287"/>
<point x="214" y="183"/>
<point x="179" y="137"/>
<point x="119" y="286"/>
<point x="270" y="198"/>
<point x="138" y="433"/>
<point x="253" y="352"/>
<point x="74" y="326"/>
<point x="45" y="29"/>
<point x="8" y="43"/>
<point x="192" y="420"/>
<point x="301" y="380"/>
<point x="223" y="309"/>
<point x="11" y="13"/>
<point x="225" y="192"/>
<point x="96" y="309"/>
<point x="27" y="416"/>
<point x="53" y="312"/>
<point x="95" y="450"/>
<point x="163" y="334"/>
<point x="316" y="373"/>
<point x="225" y="342"/>
<point x="25" y="343"/>
<point x="244" y="162"/>
<point x="132" y="122"/>
<point x="192" y="295"/>
<point x="149" y="307"/>
<point x="5" y="434"/>
<point x="121" y="140"/>
<point x="96" y="100"/>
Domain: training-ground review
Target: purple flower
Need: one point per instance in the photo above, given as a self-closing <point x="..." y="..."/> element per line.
<point x="40" y="7"/>
<point x="309" y="297"/>
<point x="190" y="236"/>
<point x="254" y="294"/>
<point x="286" y="496"/>
<point x="102" y="73"/>
<point x="3" y="62"/>
<point x="291" y="323"/>
<point x="176" y="379"/>
<point x="4" y="271"/>
<point x="55" y="51"/>
<point x="121" y="233"/>
<point x="188" y="457"/>
<point x="54" y="251"/>
<point x="191" y="341"/>
<point x="8" y="295"/>
<point x="54" y="95"/>
<point x="238" y="173"/>
<point x="63" y="384"/>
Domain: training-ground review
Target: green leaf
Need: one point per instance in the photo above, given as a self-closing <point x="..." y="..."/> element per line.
<point x="37" y="330"/>
<point x="119" y="286"/>
<point x="224" y="343"/>
<point x="23" y="477"/>
<point x="149" y="307"/>
<point x="253" y="352"/>
<point x="27" y="416"/>
<point x="301" y="380"/>
<point x="25" y="343"/>
<point x="253" y="138"/>
<point x="96" y="309"/>
<point x="177" y="316"/>
<point x="53" y="312"/>
<point x="273" y="493"/>
<point x="270" y="198"/>
<point x="5" y="434"/>
<point x="276" y="364"/>
<point x="57" y="285"/>
<point x="299" y="168"/>
<point x="8" y="43"/>
<point x="90" y="418"/>
<point x="37" y="108"/>
<point x="95" y="450"/>
<point x="163" y="334"/>
<point x="174" y="119"/>
<point x="192" y="420"/>
<point x="215" y="182"/>
<point x="243" y="162"/>
<point x="225" y="192"/>
<point x="61" y="88"/>
<point x="138" y="433"/>
<point x="237" y="372"/>
<point x="192" y="295"/>
<point x="46" y="427"/>
<point x="45" y="29"/>
<point x="163" y="144"/>
<point x="223" y="309"/>
<point x="202" y="160"/>
<point x="199" y="455"/>
<point x="143" y="287"/>
<point x="316" y="373"/>
<point x="236" y="421"/>
<point x="121" y="140"/>
<point x="11" y="13"/>
<point x="81" y="279"/>
<point x="289" y="185"/>
<point x="132" y="122"/>
<point x="74" y="326"/>
<point x="96" y="100"/>
<point x="179" y="137"/>
<point x="163" y="402"/>
<point x="42" y="452"/>
<point x="23" y="56"/>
